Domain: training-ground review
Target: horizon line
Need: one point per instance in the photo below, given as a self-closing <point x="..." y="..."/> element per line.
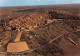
<point x="38" y="5"/>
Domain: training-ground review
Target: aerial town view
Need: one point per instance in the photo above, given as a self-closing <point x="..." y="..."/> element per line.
<point x="39" y="28"/>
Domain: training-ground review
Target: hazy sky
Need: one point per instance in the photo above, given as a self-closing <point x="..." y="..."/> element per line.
<point x="35" y="2"/>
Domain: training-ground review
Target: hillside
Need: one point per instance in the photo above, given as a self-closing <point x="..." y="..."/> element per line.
<point x="49" y="30"/>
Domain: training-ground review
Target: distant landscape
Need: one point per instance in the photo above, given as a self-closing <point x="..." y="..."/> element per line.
<point x="49" y="30"/>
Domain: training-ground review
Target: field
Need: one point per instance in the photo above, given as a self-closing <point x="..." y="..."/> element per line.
<point x="49" y="30"/>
